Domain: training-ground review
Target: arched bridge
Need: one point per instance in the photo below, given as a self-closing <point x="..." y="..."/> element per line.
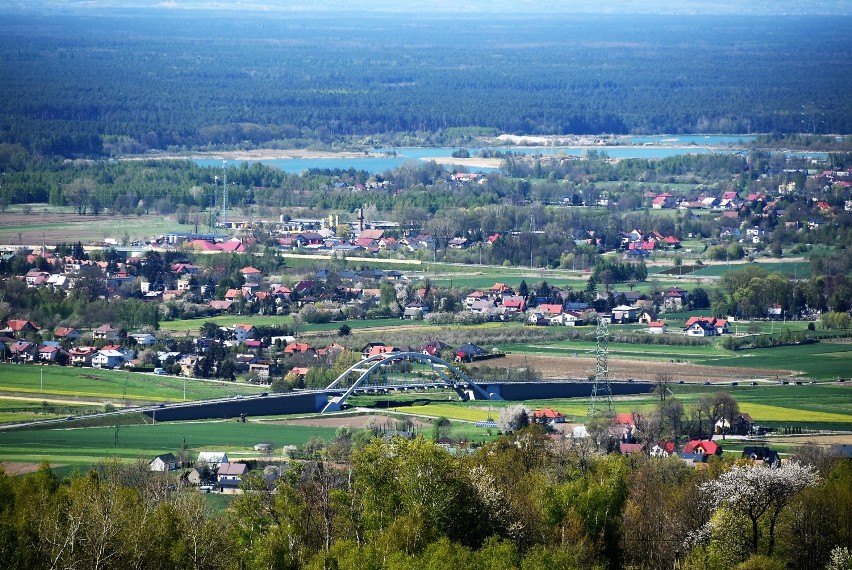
<point x="402" y="371"/>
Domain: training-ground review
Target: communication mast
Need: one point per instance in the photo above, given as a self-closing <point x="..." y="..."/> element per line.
<point x="601" y="390"/>
<point x="224" y="190"/>
<point x="211" y="210"/>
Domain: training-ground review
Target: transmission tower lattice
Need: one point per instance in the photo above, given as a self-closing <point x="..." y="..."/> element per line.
<point x="601" y="390"/>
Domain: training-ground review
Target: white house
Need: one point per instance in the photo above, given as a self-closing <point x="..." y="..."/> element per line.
<point x="657" y="327"/>
<point x="624" y="313"/>
<point x="243" y="332"/>
<point x="164" y="462"/>
<point x="108" y="359"/>
<point x="700" y="328"/>
<point x="144" y="339"/>
<point x="568" y="319"/>
<point x="213" y="459"/>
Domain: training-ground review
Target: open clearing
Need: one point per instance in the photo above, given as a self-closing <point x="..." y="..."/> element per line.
<point x="61" y="225"/>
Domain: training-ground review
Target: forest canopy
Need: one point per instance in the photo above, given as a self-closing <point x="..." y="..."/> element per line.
<point x="134" y="81"/>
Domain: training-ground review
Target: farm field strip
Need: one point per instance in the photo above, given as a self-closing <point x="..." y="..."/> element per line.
<point x="110" y="385"/>
<point x="149" y="440"/>
<point x="450" y="411"/>
<point x="769" y="413"/>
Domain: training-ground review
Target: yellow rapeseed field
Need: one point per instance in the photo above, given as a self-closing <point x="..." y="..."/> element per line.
<point x="764" y="413"/>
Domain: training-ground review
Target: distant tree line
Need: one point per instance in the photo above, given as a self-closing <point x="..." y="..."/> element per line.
<point x="117" y="85"/>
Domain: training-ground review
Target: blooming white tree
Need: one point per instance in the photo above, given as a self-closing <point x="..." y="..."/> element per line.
<point x="841" y="559"/>
<point x="757" y="491"/>
<point x="513" y="418"/>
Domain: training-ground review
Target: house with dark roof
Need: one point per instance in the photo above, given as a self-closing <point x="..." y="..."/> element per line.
<point x="469" y="352"/>
<point x="165" y="462"/>
<point x="769" y="457"/>
<point x="700" y="328"/>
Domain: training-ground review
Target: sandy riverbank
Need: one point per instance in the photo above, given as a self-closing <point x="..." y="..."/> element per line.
<point x="467" y="162"/>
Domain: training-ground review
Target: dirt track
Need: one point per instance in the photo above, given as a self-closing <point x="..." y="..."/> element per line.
<point x="355" y="422"/>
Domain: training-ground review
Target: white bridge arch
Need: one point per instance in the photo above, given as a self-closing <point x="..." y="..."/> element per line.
<point x="372" y="367"/>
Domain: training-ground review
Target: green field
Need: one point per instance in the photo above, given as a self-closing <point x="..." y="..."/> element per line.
<point x="819" y="406"/>
<point x="800" y="269"/>
<point x="79" y="448"/>
<point x="512" y="280"/>
<point x="820" y="361"/>
<point x="824" y="406"/>
<point x="12" y="411"/>
<point x="62" y="382"/>
<point x="63" y="221"/>
<point x="192" y="326"/>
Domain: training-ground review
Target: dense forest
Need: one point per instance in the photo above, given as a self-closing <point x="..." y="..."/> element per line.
<point x="519" y="502"/>
<point x="131" y="81"/>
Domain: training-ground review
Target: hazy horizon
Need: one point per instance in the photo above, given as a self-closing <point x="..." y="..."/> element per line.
<point x="469" y="7"/>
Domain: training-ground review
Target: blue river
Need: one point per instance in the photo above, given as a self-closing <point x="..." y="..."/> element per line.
<point x="645" y="147"/>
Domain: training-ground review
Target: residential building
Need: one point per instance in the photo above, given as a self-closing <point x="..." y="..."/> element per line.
<point x="164" y="462"/>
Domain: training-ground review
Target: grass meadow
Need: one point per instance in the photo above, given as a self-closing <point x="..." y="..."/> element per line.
<point x="81" y="447"/>
<point x="117" y="387"/>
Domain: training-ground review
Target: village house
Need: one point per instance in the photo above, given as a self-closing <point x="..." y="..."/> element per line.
<point x="703" y="447"/>
<point x="188" y="363"/>
<point x="674" y="299"/>
<point x="718" y="326"/>
<point x="211" y="459"/>
<point x="662" y="449"/>
<point x="624" y="314"/>
<point x="299" y="348"/>
<point x="18" y="328"/>
<point x="548" y="416"/>
<point x="51" y="354"/>
<point x="243" y="332"/>
<point x="111" y="356"/>
<point x="230" y="476"/>
<point x="165" y="462"/>
<point x="66" y="333"/>
<point x="143" y="339"/>
<point x="82" y="355"/>
<point x="568" y="319"/>
<point x="106" y="332"/>
<point x="251" y="274"/>
<point x="23" y="351"/>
